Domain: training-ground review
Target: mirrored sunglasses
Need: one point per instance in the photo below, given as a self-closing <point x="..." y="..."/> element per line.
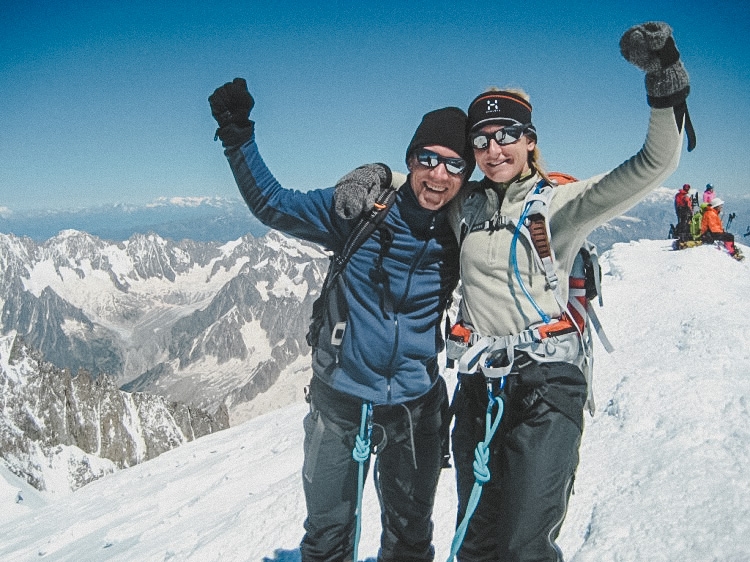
<point x="455" y="166"/>
<point x="507" y="135"/>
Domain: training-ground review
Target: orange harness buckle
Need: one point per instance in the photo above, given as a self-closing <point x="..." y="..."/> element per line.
<point x="563" y="326"/>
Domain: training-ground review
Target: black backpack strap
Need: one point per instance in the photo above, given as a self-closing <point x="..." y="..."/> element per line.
<point x="378" y="274"/>
<point x="366" y="225"/>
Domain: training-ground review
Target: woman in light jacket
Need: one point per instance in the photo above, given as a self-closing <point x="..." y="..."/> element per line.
<point x="508" y="303"/>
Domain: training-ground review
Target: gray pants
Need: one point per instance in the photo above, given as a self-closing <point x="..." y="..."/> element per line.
<point x="407" y="438"/>
<point x="534" y="455"/>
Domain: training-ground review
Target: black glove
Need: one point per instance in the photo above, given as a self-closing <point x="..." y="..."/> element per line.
<point x="358" y="190"/>
<point x="651" y="47"/>
<point x="231" y="105"/>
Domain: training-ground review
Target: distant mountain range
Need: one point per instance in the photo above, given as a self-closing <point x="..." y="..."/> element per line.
<point x="207" y="323"/>
<point x="214" y="219"/>
<point x="203" y="219"/>
<point x="139" y="346"/>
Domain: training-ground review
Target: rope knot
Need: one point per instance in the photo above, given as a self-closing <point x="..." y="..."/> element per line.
<point x="361" y="451"/>
<point x="481" y="460"/>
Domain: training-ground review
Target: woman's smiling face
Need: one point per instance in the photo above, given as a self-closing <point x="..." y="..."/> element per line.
<point x="503" y="163"/>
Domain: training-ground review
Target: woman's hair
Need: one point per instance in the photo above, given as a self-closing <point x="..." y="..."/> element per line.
<point x="535" y="157"/>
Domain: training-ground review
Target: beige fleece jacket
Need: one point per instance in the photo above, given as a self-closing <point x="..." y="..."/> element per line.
<point x="493" y="302"/>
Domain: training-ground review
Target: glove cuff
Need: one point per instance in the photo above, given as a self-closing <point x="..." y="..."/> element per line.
<point x="234" y="135"/>
<point x="668" y="101"/>
<point x="668" y="87"/>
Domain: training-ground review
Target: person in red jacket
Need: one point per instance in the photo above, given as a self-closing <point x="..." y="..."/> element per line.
<point x="712" y="228"/>
<point x="683" y="206"/>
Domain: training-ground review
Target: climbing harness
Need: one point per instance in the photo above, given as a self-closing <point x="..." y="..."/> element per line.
<point x="481" y="470"/>
<point x="361" y="454"/>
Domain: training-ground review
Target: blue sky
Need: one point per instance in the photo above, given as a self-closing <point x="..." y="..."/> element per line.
<point x="106" y="102"/>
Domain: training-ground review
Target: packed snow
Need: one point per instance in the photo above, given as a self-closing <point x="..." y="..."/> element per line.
<point x="663" y="473"/>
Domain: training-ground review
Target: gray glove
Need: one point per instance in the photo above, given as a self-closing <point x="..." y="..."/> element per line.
<point x="358" y="190"/>
<point x="651" y="47"/>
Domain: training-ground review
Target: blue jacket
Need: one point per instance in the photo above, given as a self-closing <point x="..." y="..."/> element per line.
<point x="392" y="336"/>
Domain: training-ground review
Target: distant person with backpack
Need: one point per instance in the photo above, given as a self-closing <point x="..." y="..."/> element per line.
<point x="525" y="360"/>
<point x="708" y="193"/>
<point x="712" y="229"/>
<point x="683" y="206"/>
<point x="375" y="352"/>
<point x="695" y="229"/>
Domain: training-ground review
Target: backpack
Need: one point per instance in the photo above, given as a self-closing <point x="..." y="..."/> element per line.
<point x="695" y="222"/>
<point x="585" y="279"/>
<point x="584" y="285"/>
<point x="366" y="224"/>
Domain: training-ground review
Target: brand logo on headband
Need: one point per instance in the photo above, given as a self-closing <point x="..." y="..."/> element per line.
<point x="499" y="107"/>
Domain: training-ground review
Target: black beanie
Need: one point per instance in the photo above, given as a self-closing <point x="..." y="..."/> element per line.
<point x="444" y="127"/>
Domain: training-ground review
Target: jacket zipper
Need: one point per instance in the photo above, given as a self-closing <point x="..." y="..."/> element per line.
<point x="415" y="264"/>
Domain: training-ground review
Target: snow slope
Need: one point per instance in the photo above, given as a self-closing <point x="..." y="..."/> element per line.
<point x="663" y="473"/>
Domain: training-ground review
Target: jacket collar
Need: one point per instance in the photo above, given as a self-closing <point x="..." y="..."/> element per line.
<point x="514" y="191"/>
<point x="416" y="217"/>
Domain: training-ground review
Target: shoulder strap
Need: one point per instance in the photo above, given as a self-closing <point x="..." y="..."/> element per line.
<point x="365" y="226"/>
<point x="471" y="211"/>
<point x="538" y="229"/>
<point x="367" y="223"/>
<point x="539" y="236"/>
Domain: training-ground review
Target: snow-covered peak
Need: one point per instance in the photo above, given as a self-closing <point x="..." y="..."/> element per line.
<point x="662" y="196"/>
<point x="188" y="201"/>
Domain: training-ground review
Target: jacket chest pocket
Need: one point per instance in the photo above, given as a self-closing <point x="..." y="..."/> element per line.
<point x="491" y="248"/>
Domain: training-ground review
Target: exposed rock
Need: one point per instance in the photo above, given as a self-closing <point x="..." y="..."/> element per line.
<point x="51" y="419"/>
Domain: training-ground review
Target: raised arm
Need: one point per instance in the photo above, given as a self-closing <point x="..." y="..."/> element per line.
<point x="650" y="46"/>
<point x="306" y="215"/>
<point x="589" y="203"/>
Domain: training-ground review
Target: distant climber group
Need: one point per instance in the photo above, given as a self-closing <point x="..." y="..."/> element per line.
<point x="700" y="223"/>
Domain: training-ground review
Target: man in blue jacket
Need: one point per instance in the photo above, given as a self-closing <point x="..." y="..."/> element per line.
<point x="381" y="332"/>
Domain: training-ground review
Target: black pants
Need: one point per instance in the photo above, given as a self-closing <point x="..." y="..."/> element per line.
<point x="684" y="215"/>
<point x="534" y="455"/>
<point x="711" y="237"/>
<point x="408" y="441"/>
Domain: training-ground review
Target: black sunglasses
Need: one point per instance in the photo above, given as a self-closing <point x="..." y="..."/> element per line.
<point x="507" y="135"/>
<point x="455" y="166"/>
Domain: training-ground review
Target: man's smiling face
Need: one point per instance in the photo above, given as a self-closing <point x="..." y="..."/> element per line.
<point x="435" y="187"/>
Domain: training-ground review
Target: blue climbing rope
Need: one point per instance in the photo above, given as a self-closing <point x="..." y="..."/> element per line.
<point x="481" y="470"/>
<point x="361" y="453"/>
<point x="514" y="258"/>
